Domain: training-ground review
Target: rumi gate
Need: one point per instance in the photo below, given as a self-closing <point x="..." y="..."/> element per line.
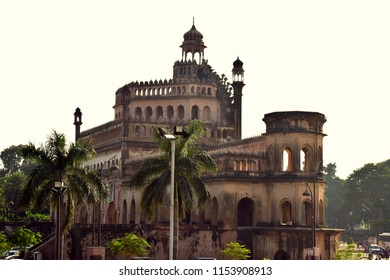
<point x="257" y="194"/>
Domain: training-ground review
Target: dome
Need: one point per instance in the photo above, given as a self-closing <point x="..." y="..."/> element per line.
<point x="238" y="63"/>
<point x="193" y="35"/>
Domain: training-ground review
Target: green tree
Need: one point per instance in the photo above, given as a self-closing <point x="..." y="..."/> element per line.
<point x="236" y="251"/>
<point x="190" y="164"/>
<point x="129" y="246"/>
<point x="366" y="197"/>
<point x="12" y="161"/>
<point x="4" y="244"/>
<point x="349" y="253"/>
<point x="23" y="237"/>
<point x="58" y="161"/>
<point x="333" y="196"/>
<point x="12" y="186"/>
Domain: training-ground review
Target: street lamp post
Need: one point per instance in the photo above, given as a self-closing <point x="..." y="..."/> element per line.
<point x="58" y="189"/>
<point x="172" y="139"/>
<point x="308" y="192"/>
<point x="312" y="195"/>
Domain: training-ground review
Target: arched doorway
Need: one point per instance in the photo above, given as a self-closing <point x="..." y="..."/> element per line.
<point x="111" y="217"/>
<point x="245" y="212"/>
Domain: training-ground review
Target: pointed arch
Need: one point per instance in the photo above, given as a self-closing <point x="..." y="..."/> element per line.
<point x="132" y="212"/>
<point x="286" y="210"/>
<point x="159" y="112"/>
<point x="195" y="112"/>
<point x="124" y="212"/>
<point x="214" y="211"/>
<point x="287" y="159"/>
<point x="306" y="213"/>
<point x="111" y="217"/>
<point x="149" y="113"/>
<point x="170" y="112"/>
<point x="180" y="112"/>
<point x="138" y="112"/>
<point x="306" y="158"/>
<point x="206" y="113"/>
<point x="245" y="210"/>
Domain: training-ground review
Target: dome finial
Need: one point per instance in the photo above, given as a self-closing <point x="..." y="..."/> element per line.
<point x="193" y="20"/>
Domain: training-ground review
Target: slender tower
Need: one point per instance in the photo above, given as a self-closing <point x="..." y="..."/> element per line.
<point x="238" y="84"/>
<point x="77" y="122"/>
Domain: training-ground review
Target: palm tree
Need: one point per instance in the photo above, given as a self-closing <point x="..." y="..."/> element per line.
<point x="190" y="164"/>
<point x="57" y="161"/>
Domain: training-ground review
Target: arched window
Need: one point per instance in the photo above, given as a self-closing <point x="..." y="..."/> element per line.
<point x="149" y="113"/>
<point x="286" y="212"/>
<point x="245" y="209"/>
<point x="305" y="159"/>
<point x="206" y="113"/>
<point x="124" y="212"/>
<point x="194" y="112"/>
<point x="132" y="212"/>
<point x="170" y="112"/>
<point x="192" y="89"/>
<point x="214" y="211"/>
<point x="287" y="163"/>
<point x="137" y="130"/>
<point x="159" y="111"/>
<point x="306" y="210"/>
<point x="180" y="112"/>
<point x="209" y="91"/>
<point x="138" y="112"/>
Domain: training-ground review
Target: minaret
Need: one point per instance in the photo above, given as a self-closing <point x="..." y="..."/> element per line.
<point x="238" y="84"/>
<point x="77" y="122"/>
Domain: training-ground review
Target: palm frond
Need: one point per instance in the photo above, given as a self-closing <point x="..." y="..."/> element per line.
<point x="153" y="194"/>
<point x="150" y="168"/>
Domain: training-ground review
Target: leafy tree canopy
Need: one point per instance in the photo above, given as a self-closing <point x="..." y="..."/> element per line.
<point x="130" y="245"/>
<point x="24" y="237"/>
<point x="333" y="196"/>
<point x="57" y="160"/>
<point x="236" y="251"/>
<point x="367" y="196"/>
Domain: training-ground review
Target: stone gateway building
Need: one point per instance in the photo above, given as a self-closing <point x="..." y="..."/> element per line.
<point x="261" y="195"/>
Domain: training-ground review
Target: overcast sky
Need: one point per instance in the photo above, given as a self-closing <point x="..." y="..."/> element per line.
<point x="331" y="57"/>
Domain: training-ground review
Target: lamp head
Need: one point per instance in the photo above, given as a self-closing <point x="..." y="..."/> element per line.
<point x="306" y="193"/>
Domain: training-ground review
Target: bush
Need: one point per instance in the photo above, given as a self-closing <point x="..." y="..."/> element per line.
<point x="236" y="251"/>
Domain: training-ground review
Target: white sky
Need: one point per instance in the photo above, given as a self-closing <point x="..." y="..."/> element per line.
<point x="329" y="56"/>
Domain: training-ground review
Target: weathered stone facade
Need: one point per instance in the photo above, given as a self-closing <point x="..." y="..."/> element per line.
<point x="256" y="195"/>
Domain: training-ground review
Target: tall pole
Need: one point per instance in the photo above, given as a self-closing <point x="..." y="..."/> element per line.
<point x="171" y="203"/>
<point x="314" y="215"/>
<point x="58" y="189"/>
<point x="58" y="231"/>
<point x="314" y="210"/>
